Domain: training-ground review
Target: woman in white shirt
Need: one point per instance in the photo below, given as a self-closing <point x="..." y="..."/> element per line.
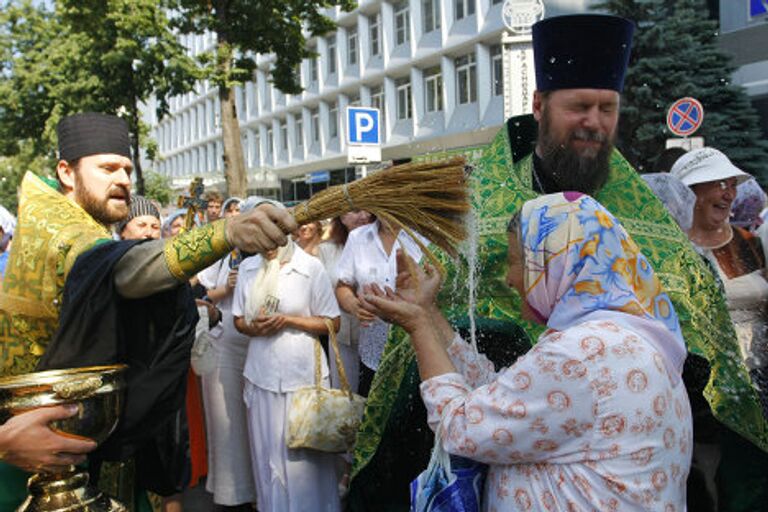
<point x="369" y="257"/>
<point x="329" y="253"/>
<point x="281" y="302"/>
<point x="230" y="478"/>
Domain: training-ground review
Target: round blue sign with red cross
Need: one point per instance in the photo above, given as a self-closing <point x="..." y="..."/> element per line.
<point x="685" y="116"/>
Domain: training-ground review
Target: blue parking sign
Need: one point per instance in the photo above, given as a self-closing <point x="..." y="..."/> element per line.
<point x="363" y="126"/>
<point x="758" y="8"/>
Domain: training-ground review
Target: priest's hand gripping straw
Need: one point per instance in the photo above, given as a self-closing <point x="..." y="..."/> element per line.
<point x="430" y="199"/>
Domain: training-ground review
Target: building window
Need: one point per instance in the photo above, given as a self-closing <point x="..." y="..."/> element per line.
<point x="374" y="30"/>
<point x="331" y="55"/>
<point x="270" y="143"/>
<point x="433" y="89"/>
<point x="284" y="135"/>
<point x="315" y="116"/>
<point x="377" y="101"/>
<point x="402" y="32"/>
<point x="466" y="79"/>
<point x="497" y="71"/>
<point x="352" y="46"/>
<point x="494" y="2"/>
<point x="354" y="101"/>
<point x="464" y="8"/>
<point x="430" y="15"/>
<point x="333" y="121"/>
<point x="404" y="107"/>
<point x="313" y="70"/>
<point x="299" y="132"/>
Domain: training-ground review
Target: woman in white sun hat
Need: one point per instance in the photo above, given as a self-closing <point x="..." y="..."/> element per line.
<point x="736" y="254"/>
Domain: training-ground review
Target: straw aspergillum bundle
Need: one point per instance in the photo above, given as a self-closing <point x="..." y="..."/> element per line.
<point x="430" y="199"/>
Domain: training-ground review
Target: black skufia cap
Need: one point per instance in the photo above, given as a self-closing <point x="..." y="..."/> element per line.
<point x="91" y="133"/>
<point x="582" y="51"/>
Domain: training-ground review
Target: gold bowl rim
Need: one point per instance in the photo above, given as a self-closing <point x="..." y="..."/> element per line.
<point x="48" y="377"/>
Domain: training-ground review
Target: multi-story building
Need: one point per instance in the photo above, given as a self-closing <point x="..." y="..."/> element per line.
<point x="744" y="34"/>
<point x="433" y="68"/>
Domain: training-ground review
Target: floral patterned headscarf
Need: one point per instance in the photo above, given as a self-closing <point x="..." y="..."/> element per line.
<point x="581" y="265"/>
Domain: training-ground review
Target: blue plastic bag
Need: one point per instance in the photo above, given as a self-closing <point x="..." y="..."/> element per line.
<point x="449" y="484"/>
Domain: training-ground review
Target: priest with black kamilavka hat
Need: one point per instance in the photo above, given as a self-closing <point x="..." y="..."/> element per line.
<point x="73" y="297"/>
<point x="566" y="145"/>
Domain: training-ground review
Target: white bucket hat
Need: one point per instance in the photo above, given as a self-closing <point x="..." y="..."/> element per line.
<point x="705" y="165"/>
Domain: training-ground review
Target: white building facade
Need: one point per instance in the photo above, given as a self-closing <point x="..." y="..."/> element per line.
<point x="744" y="35"/>
<point x="433" y="68"/>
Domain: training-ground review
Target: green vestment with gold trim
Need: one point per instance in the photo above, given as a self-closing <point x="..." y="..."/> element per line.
<point x="500" y="186"/>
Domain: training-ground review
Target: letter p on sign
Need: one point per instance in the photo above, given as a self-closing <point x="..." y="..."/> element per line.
<point x="363" y="126"/>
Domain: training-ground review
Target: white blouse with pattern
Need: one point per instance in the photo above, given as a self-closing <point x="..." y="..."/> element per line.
<point x="588" y="420"/>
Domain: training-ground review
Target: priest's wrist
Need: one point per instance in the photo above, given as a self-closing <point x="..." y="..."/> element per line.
<point x="188" y="253"/>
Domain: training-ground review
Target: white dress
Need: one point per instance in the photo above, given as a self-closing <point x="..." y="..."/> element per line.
<point x="287" y="480"/>
<point x="230" y="478"/>
<point x="588" y="420"/>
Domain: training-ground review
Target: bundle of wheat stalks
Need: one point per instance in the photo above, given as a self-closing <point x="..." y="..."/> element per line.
<point x="428" y="198"/>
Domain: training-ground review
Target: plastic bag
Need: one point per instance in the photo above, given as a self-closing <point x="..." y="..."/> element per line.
<point x="449" y="484"/>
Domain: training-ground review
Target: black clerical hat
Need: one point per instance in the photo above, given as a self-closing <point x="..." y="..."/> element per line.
<point x="582" y="51"/>
<point x="91" y="133"/>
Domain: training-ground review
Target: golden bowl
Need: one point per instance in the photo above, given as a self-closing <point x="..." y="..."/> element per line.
<point x="96" y="390"/>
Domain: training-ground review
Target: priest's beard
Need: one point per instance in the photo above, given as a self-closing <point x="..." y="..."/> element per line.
<point x="571" y="170"/>
<point x="101" y="209"/>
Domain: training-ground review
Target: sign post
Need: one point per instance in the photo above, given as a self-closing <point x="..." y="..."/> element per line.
<point x="517" y="54"/>
<point x="684" y="117"/>
<point x="363" y="135"/>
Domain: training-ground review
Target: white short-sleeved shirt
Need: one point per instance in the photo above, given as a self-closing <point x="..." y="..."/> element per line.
<point x="364" y="261"/>
<point x="231" y="345"/>
<point x="286" y="361"/>
<point x="209" y="276"/>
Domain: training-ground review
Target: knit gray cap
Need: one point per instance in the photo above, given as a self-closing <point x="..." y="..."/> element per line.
<point x="140" y="206"/>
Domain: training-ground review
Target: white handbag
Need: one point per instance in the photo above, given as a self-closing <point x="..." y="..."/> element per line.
<point x="323" y="418"/>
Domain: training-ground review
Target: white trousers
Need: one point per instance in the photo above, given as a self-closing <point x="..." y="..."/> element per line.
<point x="286" y="480"/>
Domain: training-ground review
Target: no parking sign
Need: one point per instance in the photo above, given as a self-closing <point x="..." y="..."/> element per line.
<point x="685" y="116"/>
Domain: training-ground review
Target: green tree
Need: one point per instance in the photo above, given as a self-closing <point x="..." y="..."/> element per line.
<point x="675" y="54"/>
<point x="158" y="187"/>
<point x="243" y="29"/>
<point x="105" y="56"/>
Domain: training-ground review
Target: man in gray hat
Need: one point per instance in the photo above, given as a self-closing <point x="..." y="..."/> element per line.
<point x="74" y="297"/>
<point x="142" y="222"/>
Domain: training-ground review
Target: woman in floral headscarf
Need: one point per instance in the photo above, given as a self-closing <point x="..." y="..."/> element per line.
<point x="595" y="416"/>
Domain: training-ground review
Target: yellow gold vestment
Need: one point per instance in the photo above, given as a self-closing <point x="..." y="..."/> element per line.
<point x="52" y="232"/>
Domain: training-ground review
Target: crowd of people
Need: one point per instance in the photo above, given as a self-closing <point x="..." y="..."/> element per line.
<point x="632" y="314"/>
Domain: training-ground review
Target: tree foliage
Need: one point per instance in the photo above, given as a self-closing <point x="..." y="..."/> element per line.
<point x="85" y="55"/>
<point x="158" y="187"/>
<point x="675" y="54"/>
<point x="244" y="29"/>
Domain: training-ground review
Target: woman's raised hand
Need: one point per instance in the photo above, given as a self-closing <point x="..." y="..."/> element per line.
<point x="416" y="284"/>
<point x="410" y="306"/>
